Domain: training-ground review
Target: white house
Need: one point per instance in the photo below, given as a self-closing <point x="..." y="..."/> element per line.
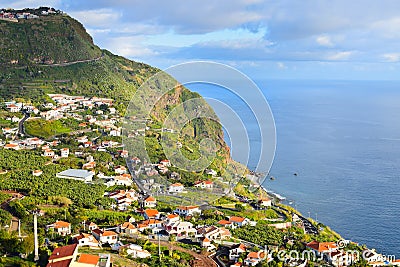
<point x="37" y="172"/>
<point x="13" y="108"/>
<point x="149" y="202"/>
<point x="90" y="226"/>
<point x="321" y="248"/>
<point x="120" y="170"/>
<point x="264" y="202"/>
<point x="60" y="227"/>
<point x="254" y="258"/>
<point x="151" y="214"/>
<point x="133" y="250"/>
<point x="179" y="228"/>
<point x="239" y="221"/>
<point x="128" y="228"/>
<point x="176" y="188"/>
<point x="236" y="251"/>
<point x="49" y="153"/>
<point x="124" y="179"/>
<point x="165" y="163"/>
<point x="84" y="239"/>
<point x="204" y="184"/>
<point x="211" y="172"/>
<point x="104" y="237"/>
<point x="115" y="132"/>
<point x="82" y="139"/>
<point x="64" y="152"/>
<point x="187" y="210"/>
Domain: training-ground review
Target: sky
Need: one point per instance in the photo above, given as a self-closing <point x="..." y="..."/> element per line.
<point x="264" y="39"/>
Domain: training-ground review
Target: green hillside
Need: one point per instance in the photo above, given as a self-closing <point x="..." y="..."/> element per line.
<point x="47" y="55"/>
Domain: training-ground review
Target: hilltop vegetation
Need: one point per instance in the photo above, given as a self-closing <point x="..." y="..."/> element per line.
<point x="28" y="41"/>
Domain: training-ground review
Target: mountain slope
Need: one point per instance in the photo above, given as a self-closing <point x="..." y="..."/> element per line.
<point x="54" y="54"/>
<point x="49" y="39"/>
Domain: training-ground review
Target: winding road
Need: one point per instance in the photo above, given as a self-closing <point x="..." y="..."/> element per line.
<point x="21" y="130"/>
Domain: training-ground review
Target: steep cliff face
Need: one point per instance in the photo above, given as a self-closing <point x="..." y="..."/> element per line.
<point x="54" y="54"/>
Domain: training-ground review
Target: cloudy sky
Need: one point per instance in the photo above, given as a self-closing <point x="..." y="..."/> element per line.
<point x="265" y="39"/>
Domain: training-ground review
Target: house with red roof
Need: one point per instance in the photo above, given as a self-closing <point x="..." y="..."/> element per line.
<point x="254" y="258"/>
<point x="85" y="239"/>
<point x="179" y="228"/>
<point x="12" y="146"/>
<point x="206" y="243"/>
<point x="176" y="188"/>
<point x="226" y="223"/>
<point x="165" y="163"/>
<point x="128" y="228"/>
<point x="153" y="224"/>
<point x="63" y="256"/>
<point x="120" y="169"/>
<point x="149" y="202"/>
<point x="64" y="152"/>
<point x="236" y="251"/>
<point x="105" y="236"/>
<point x="60" y="227"/>
<point x="89" y="166"/>
<point x="264" y="202"/>
<point x="322" y="247"/>
<point x="151" y="214"/>
<point x="13" y="108"/>
<point x="239" y="221"/>
<point x="208" y="184"/>
<point x="90" y="226"/>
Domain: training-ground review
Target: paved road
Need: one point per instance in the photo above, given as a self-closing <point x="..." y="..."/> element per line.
<point x="71" y="63"/>
<point x="21" y="129"/>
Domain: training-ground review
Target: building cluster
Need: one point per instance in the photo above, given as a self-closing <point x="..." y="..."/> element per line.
<point x="154" y="224"/>
<point x="16" y="15"/>
<point x="67" y="103"/>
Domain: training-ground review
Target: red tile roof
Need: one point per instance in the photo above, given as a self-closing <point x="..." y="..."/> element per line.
<point x="64" y="263"/>
<point x="89" y="259"/>
<point x="236" y="219"/>
<point x="150" y="199"/>
<point x="151" y="212"/>
<point x="61" y="224"/>
<point x="323" y="246"/>
<point x="64" y="251"/>
<point x="109" y="233"/>
<point x="224" y="222"/>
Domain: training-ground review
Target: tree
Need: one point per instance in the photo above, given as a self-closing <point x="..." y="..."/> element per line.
<point x="27" y="244"/>
<point x="5" y="217"/>
<point x="239" y="207"/>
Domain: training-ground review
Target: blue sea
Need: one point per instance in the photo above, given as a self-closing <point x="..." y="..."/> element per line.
<point x="342" y="138"/>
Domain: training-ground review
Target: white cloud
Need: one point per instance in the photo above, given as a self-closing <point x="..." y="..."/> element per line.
<point x="388" y="28"/>
<point x="281" y="66"/>
<point x="324" y="40"/>
<point x="391" y="57"/>
<point x="343" y="55"/>
<point x="97" y="18"/>
<point x="130" y="47"/>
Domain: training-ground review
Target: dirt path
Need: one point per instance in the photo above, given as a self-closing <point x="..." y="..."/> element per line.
<point x="6" y="206"/>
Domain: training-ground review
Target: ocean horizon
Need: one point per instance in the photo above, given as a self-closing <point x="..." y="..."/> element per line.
<point x="342" y="139"/>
